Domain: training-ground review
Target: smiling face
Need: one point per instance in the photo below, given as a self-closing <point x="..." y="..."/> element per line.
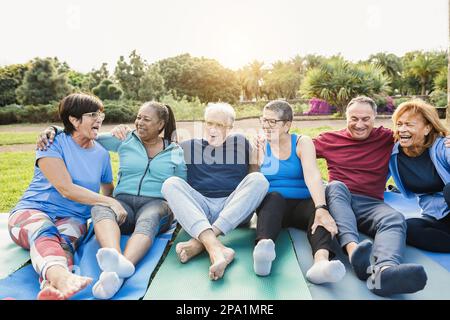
<point x="273" y="126"/>
<point x="147" y="123"/>
<point x="217" y="127"/>
<point x="411" y="130"/>
<point x="360" y="120"/>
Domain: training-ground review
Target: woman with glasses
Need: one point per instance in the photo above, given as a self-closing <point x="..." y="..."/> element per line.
<point x="296" y="196"/>
<point x="146" y="161"/>
<point x="50" y="218"/>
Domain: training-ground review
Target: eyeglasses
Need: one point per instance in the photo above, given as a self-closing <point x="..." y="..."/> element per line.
<point x="271" y="122"/>
<point x="216" y="124"/>
<point x="95" y="115"/>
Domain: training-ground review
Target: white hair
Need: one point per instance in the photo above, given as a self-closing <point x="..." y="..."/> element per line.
<point x="223" y="108"/>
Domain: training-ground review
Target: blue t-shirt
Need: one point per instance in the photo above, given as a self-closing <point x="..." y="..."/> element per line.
<point x="88" y="168"/>
<point x="215" y="172"/>
<point x="285" y="176"/>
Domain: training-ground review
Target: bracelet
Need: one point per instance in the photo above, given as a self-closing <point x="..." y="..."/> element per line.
<point x="321" y="206"/>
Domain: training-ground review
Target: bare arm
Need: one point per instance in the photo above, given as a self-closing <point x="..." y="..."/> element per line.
<point x="307" y="154"/>
<point x="56" y="173"/>
<point x="257" y="154"/>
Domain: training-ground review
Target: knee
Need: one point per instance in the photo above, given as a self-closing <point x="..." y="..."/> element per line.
<point x="335" y="188"/>
<point x="170" y="184"/>
<point x="258" y="179"/>
<point x="101" y="212"/>
<point x="395" y="219"/>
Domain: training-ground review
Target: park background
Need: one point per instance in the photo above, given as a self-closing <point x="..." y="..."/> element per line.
<point x="317" y="55"/>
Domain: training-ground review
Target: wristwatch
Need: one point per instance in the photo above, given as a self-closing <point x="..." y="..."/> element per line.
<point x="322" y="206"/>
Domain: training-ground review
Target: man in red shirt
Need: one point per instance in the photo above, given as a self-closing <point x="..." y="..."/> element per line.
<point x="358" y="158"/>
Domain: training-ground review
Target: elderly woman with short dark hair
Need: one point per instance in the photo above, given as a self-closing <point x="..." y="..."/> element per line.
<point x="50" y="218"/>
<point x="296" y="196"/>
<point x="148" y="156"/>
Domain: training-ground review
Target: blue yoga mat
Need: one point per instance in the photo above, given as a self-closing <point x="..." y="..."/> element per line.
<point x="23" y="284"/>
<point x="351" y="288"/>
<point x="411" y="209"/>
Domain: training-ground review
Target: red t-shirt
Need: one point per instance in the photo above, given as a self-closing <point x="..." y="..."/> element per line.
<point x="361" y="164"/>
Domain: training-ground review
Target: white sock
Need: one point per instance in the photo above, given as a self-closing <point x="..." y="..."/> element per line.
<point x="110" y="260"/>
<point x="326" y="271"/>
<point x="107" y="285"/>
<point x="263" y="255"/>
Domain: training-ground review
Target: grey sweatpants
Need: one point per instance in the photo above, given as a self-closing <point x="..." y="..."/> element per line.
<point x="372" y="217"/>
<point x="146" y="215"/>
<point x="197" y="213"/>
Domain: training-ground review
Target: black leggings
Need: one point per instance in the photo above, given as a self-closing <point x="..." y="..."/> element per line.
<point x="430" y="234"/>
<point x="276" y="212"/>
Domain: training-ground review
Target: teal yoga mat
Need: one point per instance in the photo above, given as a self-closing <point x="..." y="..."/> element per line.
<point x="12" y="257"/>
<point x="190" y="281"/>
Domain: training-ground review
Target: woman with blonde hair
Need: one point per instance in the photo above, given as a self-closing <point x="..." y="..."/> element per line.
<point x="420" y="166"/>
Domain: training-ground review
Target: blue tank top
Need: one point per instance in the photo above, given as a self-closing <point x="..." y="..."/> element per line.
<point x="285" y="176"/>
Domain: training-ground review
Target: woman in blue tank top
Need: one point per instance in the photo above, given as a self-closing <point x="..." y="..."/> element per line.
<point x="296" y="196"/>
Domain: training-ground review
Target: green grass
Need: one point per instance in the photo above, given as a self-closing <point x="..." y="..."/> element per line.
<point x="9" y="138"/>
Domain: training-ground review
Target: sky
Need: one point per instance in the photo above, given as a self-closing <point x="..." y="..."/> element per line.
<point x="85" y="33"/>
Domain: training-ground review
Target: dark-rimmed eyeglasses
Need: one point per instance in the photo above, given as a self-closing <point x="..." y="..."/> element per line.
<point x="271" y="122"/>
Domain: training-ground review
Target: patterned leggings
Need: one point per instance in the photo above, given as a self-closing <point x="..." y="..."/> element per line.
<point x="51" y="242"/>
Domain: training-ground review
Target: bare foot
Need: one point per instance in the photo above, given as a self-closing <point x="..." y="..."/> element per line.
<point x="189" y="249"/>
<point x="65" y="282"/>
<point x="219" y="261"/>
<point x="50" y="293"/>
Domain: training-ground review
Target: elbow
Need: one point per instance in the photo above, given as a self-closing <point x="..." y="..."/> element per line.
<point x="64" y="190"/>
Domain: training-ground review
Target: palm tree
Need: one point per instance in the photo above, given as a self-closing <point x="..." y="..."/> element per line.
<point x="251" y="77"/>
<point x="424" y="67"/>
<point x="389" y="62"/>
<point x="338" y="81"/>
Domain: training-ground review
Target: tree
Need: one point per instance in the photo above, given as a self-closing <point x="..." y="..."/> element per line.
<point x="424" y="66"/>
<point x="199" y="77"/>
<point x="392" y="66"/>
<point x="152" y="86"/>
<point x="440" y="81"/>
<point x="95" y="77"/>
<point x="283" y="80"/>
<point x="130" y="74"/>
<point x="42" y="83"/>
<point x="338" y="81"/>
<point x="107" y="90"/>
<point x="251" y="79"/>
<point x="11" y="78"/>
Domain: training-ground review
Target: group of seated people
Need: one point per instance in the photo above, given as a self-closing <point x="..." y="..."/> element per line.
<point x="215" y="184"/>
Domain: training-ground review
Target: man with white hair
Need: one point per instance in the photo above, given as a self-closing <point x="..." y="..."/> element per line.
<point x="222" y="191"/>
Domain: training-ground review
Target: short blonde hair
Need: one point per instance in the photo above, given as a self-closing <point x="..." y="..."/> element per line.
<point x="223" y="108"/>
<point x="429" y="115"/>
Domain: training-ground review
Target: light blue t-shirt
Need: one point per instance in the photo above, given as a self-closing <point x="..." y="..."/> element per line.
<point x="88" y="168"/>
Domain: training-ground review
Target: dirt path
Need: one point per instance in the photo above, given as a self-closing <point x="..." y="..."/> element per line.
<point x="186" y="130"/>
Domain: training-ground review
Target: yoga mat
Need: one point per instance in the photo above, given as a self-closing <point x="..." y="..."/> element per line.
<point x="190" y="281"/>
<point x="12" y="257"/>
<point x="411" y="209"/>
<point x="23" y="284"/>
<point x="351" y="288"/>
